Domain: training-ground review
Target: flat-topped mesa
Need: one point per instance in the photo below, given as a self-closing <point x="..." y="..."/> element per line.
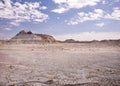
<point x="31" y="37"/>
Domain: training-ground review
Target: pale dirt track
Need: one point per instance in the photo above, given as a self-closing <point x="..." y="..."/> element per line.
<point x="72" y="64"/>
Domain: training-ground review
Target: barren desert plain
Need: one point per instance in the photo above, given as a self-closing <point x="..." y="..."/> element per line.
<point x="60" y="64"/>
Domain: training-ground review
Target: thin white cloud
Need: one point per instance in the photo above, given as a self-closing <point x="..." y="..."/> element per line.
<point x="108" y="2"/>
<point x="97" y="14"/>
<point x="104" y="2"/>
<point x="89" y="36"/>
<point x="7" y="3"/>
<point x="100" y="24"/>
<point x="82" y="17"/>
<point x="60" y="10"/>
<point x="115" y="15"/>
<point x="65" y="5"/>
<point x="116" y="0"/>
<point x="16" y="22"/>
<point x="8" y="29"/>
<point x="17" y="12"/>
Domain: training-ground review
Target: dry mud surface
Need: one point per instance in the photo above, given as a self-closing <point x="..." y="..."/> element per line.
<point x="65" y="64"/>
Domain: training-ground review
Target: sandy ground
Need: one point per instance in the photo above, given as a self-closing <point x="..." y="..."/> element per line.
<point x="73" y="64"/>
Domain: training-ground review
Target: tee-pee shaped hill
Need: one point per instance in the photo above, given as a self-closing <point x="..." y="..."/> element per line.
<point x="24" y="36"/>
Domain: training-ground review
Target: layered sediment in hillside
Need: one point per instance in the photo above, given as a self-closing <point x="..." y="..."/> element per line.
<point x="29" y="37"/>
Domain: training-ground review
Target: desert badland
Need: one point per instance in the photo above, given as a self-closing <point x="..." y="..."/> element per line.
<point x="60" y="64"/>
<point x="59" y="42"/>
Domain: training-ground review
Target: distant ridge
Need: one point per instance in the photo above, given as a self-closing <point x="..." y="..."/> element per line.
<point x="28" y="37"/>
<point x="108" y="42"/>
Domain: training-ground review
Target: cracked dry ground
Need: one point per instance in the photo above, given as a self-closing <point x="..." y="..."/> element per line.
<point x="73" y="64"/>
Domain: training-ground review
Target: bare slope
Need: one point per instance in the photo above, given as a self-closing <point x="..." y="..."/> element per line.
<point x="29" y="37"/>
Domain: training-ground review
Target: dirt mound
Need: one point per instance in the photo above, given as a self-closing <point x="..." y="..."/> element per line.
<point x="29" y="37"/>
<point x="71" y="41"/>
